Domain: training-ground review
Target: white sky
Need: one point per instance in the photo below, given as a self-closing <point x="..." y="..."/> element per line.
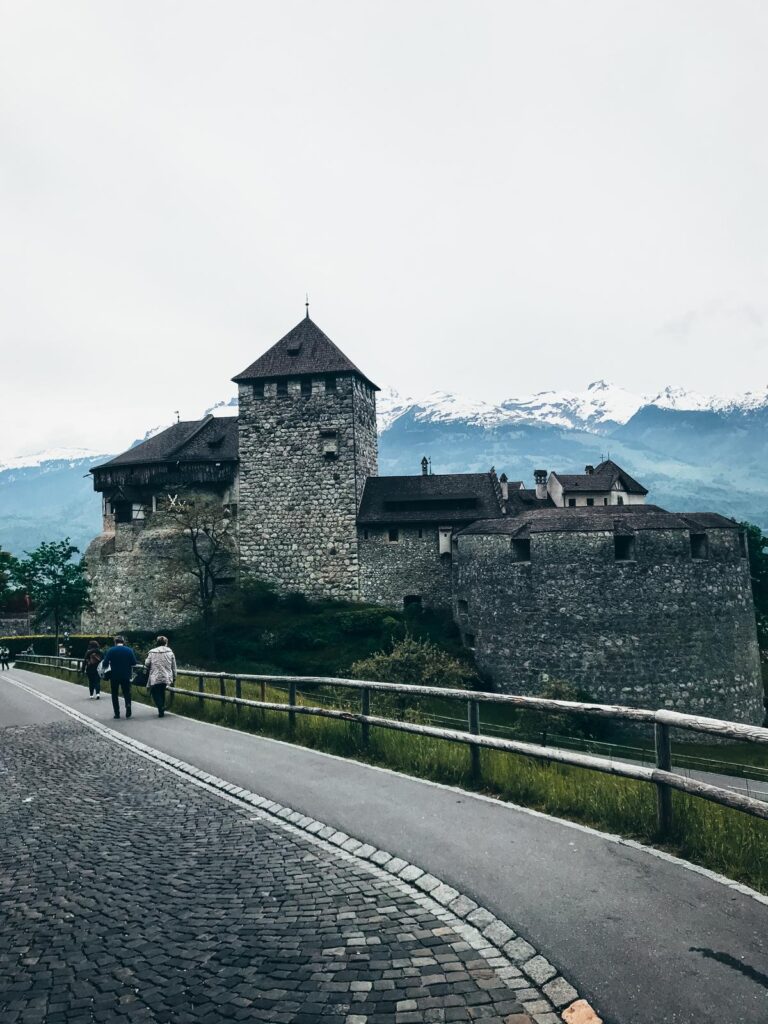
<point x="487" y="197"/>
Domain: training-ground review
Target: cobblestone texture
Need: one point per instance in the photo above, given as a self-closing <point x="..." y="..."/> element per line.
<point x="128" y="893"/>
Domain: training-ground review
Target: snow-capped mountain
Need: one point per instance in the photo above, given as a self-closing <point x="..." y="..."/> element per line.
<point x="50" y="457"/>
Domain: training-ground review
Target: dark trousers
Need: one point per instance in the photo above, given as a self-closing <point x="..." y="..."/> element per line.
<point x="158" y="696"/>
<point x="94" y="682"/>
<point x="4" y="663"/>
<point x="116" y="685"/>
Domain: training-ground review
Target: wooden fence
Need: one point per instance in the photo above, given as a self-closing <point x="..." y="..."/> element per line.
<point x="661" y="776"/>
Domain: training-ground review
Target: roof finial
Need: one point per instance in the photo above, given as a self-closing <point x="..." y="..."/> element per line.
<point x="306" y="304"/>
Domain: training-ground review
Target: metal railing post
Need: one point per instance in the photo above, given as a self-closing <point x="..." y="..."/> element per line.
<point x="663" y="792"/>
<point x="201" y="688"/>
<point x="365" y="709"/>
<point x="473" y="721"/>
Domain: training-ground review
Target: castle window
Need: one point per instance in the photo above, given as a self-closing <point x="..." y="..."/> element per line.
<point x="445" y="536"/>
<point x="571" y="503"/>
<point x="306" y="388"/>
<point x="521" y="550"/>
<point x="394" y="535"/>
<point x="605" y="501"/>
<point x="699" y="545"/>
<point x="743" y="544"/>
<point x="624" y="549"/>
<point x="330" y="444"/>
<point x="463" y="606"/>
<point x="123" y="511"/>
<point x="330" y="385"/>
<point x="258" y="389"/>
<point x="469" y="640"/>
<point x="421" y="534"/>
<point x="619" y="500"/>
<point x="282" y="387"/>
<point x="365" y="535"/>
<point x="590" y="502"/>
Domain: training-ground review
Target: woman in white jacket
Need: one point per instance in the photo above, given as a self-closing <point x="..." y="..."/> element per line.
<point x="161" y="672"/>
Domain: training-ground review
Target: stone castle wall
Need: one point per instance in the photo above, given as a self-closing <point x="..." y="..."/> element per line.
<point x="134" y="584"/>
<point x="297" y="505"/>
<point x="664" y="630"/>
<point x="411" y="566"/>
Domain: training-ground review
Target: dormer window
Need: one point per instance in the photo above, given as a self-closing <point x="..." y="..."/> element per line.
<point x="293" y="350"/>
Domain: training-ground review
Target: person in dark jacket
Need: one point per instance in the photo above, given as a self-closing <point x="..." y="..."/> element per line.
<point x="4" y="656"/>
<point x="90" y="668"/>
<point x="120" y="660"/>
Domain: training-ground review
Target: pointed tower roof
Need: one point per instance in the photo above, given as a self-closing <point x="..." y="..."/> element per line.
<point x="305" y="350"/>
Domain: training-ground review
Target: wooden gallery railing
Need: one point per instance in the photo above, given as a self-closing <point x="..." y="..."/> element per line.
<point x="661" y="776"/>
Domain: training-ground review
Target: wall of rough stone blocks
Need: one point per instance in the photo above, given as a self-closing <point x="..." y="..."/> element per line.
<point x="663" y="630"/>
<point x="298" y="509"/>
<point x="411" y="566"/>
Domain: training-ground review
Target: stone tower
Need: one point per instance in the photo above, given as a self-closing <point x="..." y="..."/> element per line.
<point x="307" y="443"/>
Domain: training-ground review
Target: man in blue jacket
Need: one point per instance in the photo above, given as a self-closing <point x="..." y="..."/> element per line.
<point x="119" y="661"/>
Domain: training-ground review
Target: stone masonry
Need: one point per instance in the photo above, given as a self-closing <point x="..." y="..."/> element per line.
<point x="659" y="630"/>
<point x="304" y="460"/>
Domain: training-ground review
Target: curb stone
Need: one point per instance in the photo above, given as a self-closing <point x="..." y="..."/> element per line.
<point x="481" y="931"/>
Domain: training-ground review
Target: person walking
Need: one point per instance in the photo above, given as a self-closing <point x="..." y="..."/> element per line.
<point x="90" y="668"/>
<point x="120" y="660"/>
<point x="4" y="656"/>
<point x="161" y="672"/>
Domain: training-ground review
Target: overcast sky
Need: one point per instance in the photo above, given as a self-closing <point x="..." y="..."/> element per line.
<point x="492" y="198"/>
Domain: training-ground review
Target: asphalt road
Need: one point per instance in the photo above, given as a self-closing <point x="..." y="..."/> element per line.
<point x="645" y="940"/>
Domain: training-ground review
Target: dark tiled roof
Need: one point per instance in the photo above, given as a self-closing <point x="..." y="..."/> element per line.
<point x="603" y="479"/>
<point x="448" y="498"/>
<point x="305" y="350"/>
<point x="212" y="439"/>
<point x="622" y="519"/>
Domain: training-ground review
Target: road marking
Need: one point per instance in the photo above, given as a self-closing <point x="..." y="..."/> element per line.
<point x="443" y="897"/>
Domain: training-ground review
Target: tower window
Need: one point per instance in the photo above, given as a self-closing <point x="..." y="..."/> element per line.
<point x="521" y="550"/>
<point x="258" y="389"/>
<point x="330" y="385"/>
<point x="365" y="535"/>
<point x="619" y="500"/>
<point x="605" y="501"/>
<point x="330" y="444"/>
<point x="699" y="545"/>
<point x="282" y="387"/>
<point x="743" y="544"/>
<point x="469" y="640"/>
<point x="306" y="388"/>
<point x="571" y="503"/>
<point x="463" y="606"/>
<point x="624" y="549"/>
<point x="394" y="535"/>
<point x="590" y="502"/>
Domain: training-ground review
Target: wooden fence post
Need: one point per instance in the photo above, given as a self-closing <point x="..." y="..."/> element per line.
<point x="262" y="698"/>
<point x="201" y="688"/>
<point x="365" y="709"/>
<point x="222" y="684"/>
<point x="292" y="714"/>
<point x="663" y="792"/>
<point x="238" y="694"/>
<point x="473" y="721"/>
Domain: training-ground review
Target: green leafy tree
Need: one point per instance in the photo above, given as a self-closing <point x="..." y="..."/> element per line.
<point x="418" y="663"/>
<point x="7" y="564"/>
<point x="757" y="551"/>
<point x="55" y="582"/>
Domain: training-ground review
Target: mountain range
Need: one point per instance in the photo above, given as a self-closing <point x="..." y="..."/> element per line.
<point x="693" y="452"/>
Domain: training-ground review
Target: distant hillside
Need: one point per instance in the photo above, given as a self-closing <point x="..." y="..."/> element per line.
<point x="692" y="452"/>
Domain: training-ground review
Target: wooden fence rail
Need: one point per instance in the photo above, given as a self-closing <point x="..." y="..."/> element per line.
<point x="662" y="776"/>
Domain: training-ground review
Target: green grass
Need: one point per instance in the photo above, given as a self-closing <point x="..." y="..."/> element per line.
<point x="718" y="838"/>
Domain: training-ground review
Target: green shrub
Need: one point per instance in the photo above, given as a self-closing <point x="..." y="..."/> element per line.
<point x="258" y="596"/>
<point x="295" y="601"/>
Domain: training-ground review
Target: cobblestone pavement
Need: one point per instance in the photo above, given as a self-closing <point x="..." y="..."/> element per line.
<point x="128" y="893"/>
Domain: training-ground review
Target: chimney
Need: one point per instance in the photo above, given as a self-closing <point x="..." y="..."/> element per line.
<point x="504" y="484"/>
<point x="589" y="470"/>
<point x="425" y="466"/>
<point x="540" y="476"/>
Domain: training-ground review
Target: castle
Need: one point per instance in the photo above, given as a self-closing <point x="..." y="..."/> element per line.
<point x="576" y="578"/>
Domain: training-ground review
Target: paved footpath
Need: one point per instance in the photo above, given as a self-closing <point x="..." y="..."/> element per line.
<point x="130" y="893"/>
<point x="644" y="939"/>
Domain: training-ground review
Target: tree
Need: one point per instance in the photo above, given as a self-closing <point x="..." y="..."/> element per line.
<point x="757" y="551"/>
<point x="55" y="582"/>
<point x="204" y="557"/>
<point x="7" y="565"/>
<point x="415" y="662"/>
